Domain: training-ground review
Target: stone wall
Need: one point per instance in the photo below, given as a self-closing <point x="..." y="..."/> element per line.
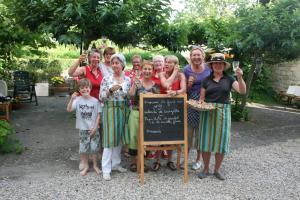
<point x="286" y="74"/>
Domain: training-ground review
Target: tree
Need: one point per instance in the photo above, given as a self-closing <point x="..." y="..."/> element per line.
<point x="127" y="22"/>
<point x="269" y="32"/>
<point x="13" y="38"/>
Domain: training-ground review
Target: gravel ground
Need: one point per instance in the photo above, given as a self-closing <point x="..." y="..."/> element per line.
<point x="263" y="163"/>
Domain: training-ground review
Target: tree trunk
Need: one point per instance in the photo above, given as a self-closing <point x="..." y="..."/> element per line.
<point x="248" y="84"/>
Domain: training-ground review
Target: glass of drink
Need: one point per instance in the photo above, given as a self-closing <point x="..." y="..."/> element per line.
<point x="235" y="65"/>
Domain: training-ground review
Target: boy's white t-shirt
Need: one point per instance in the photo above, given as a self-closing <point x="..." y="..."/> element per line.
<point x="86" y="112"/>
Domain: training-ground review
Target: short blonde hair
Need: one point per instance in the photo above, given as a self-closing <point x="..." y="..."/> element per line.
<point x="137" y="56"/>
<point x="148" y="63"/>
<point x="172" y="58"/>
<point x="194" y="47"/>
<point x="84" y="82"/>
<point x="158" y="57"/>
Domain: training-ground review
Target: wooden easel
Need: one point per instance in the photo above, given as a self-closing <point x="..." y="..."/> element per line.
<point x="153" y="145"/>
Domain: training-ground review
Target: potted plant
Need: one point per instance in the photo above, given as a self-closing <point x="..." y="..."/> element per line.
<point x="59" y="85"/>
<point x="16" y="103"/>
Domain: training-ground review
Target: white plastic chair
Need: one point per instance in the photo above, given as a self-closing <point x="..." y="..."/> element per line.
<point x="3" y="88"/>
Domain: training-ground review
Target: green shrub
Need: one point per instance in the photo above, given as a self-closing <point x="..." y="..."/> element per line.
<point x="7" y="142"/>
<point x="237" y="113"/>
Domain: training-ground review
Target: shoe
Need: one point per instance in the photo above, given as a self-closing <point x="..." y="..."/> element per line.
<point x="106" y="177"/>
<point x="119" y="169"/>
<point x="156" y="166"/>
<point x="171" y="166"/>
<point x="203" y="175"/>
<point x="164" y="154"/>
<point x="133" y="167"/>
<point x="182" y="164"/>
<point x="219" y="176"/>
<point x="196" y="165"/>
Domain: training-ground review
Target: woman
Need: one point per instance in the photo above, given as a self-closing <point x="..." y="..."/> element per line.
<point x="105" y="67"/>
<point x="113" y="93"/>
<point x="195" y="73"/>
<point x="214" y="131"/>
<point x="145" y="85"/>
<point x="172" y="83"/>
<point x="136" y="70"/>
<point x="158" y="65"/>
<point x="91" y="71"/>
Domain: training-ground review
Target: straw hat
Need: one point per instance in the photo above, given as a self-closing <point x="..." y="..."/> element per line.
<point x="218" y="58"/>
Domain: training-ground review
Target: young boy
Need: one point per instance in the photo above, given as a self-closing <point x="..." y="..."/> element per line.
<point x="87" y="119"/>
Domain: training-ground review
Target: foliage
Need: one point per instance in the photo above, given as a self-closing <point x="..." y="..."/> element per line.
<point x="124" y="22"/>
<point x="238" y="112"/>
<point x="57" y="80"/>
<point x="7" y="143"/>
<point x="13" y="37"/>
<point x="261" y="90"/>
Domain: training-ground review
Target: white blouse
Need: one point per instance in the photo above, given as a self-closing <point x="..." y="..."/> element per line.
<point x="119" y="95"/>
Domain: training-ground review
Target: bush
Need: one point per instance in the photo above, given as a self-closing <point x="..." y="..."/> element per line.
<point x="7" y="143"/>
<point x="237" y="113"/>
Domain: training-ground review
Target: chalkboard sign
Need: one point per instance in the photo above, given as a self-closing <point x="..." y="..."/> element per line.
<point x="162" y="126"/>
<point x="163" y="118"/>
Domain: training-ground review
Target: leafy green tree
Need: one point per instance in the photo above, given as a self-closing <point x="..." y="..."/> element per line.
<point x="127" y="22"/>
<point x="13" y="38"/>
<point x="269" y="32"/>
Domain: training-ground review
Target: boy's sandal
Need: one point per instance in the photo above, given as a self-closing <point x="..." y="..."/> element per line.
<point x="156" y="166"/>
<point x="133" y="167"/>
<point x="171" y="166"/>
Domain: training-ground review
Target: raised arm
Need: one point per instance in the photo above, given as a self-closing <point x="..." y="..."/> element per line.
<point x="70" y="104"/>
<point x="75" y="70"/>
<point x="166" y="83"/>
<point x="239" y="85"/>
<point x="182" y="84"/>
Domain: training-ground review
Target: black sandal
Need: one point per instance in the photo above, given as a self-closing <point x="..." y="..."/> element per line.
<point x="133" y="167"/>
<point x="171" y="166"/>
<point x="156" y="166"/>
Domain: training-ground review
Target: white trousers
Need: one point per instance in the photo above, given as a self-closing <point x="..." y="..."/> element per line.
<point x="111" y="158"/>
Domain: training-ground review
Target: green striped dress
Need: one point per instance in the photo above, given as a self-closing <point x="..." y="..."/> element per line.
<point x="214" y="129"/>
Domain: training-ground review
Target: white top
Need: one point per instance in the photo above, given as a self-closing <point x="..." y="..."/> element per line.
<point x="105" y="70"/>
<point x="120" y="95"/>
<point x="87" y="110"/>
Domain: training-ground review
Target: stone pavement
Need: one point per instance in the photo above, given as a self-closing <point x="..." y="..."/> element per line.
<point x="263" y="163"/>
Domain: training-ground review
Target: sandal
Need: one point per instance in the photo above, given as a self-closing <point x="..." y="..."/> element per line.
<point x="156" y="166"/>
<point x="133" y="167"/>
<point x="126" y="154"/>
<point x="171" y="166"/>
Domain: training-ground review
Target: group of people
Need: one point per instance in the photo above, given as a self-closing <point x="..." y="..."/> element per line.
<point x="107" y="105"/>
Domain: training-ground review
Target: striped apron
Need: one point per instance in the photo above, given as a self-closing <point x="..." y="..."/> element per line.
<point x="114" y="117"/>
<point x="214" y="129"/>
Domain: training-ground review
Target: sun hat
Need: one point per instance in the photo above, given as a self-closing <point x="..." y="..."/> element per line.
<point x="120" y="57"/>
<point x="218" y="58"/>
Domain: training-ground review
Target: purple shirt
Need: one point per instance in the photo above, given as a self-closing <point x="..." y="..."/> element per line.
<point x="199" y="77"/>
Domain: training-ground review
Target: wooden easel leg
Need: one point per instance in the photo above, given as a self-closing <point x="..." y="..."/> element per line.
<point x="142" y="165"/>
<point x="178" y="156"/>
<point x="186" y="158"/>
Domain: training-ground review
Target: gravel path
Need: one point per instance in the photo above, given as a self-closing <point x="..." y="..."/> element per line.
<point x="263" y="163"/>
